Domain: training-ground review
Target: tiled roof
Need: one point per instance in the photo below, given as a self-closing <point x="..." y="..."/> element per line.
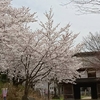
<point x="86" y="54"/>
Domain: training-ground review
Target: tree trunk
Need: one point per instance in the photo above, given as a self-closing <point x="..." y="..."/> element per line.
<point x="58" y="86"/>
<point x="25" y="96"/>
<point x="55" y="90"/>
<point x="48" y="91"/>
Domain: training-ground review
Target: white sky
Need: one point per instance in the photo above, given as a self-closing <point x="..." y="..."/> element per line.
<point x="82" y="24"/>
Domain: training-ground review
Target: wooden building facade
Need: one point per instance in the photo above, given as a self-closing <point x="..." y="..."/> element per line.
<point x="89" y="83"/>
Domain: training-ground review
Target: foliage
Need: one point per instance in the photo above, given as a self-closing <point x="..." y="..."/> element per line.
<point x="4" y="78"/>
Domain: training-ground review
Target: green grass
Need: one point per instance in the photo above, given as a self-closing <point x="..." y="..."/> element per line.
<point x="61" y="98"/>
<point x="55" y="99"/>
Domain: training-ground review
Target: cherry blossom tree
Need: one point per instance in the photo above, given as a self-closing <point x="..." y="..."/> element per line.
<point x="63" y="47"/>
<point x="13" y="23"/>
<point x="35" y="55"/>
<point x="64" y="66"/>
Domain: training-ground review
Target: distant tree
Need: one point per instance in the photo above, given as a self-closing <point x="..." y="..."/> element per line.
<point x="92" y="45"/>
<point x="86" y="6"/>
<point x="92" y="42"/>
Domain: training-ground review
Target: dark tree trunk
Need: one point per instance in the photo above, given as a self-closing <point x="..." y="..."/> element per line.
<point x="25" y="96"/>
<point x="58" y="86"/>
<point x="48" y="91"/>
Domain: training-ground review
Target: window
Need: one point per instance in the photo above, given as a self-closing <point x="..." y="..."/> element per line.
<point x="91" y="73"/>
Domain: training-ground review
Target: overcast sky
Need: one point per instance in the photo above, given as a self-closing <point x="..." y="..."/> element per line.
<point x="82" y="24"/>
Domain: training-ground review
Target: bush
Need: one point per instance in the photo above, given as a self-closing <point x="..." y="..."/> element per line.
<point x="16" y="93"/>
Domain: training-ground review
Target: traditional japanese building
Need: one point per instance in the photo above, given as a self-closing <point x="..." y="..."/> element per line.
<point x="88" y="85"/>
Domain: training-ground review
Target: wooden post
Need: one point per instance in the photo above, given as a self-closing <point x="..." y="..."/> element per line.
<point x="48" y="91"/>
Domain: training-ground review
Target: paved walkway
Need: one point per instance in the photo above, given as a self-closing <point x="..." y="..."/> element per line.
<point x="87" y="98"/>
